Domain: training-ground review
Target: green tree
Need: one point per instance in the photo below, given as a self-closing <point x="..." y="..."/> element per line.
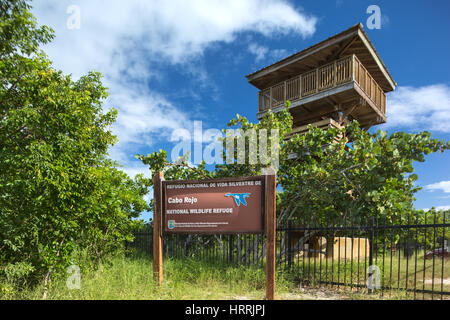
<point x="327" y="176"/>
<point x="59" y="192"/>
<point x="352" y="174"/>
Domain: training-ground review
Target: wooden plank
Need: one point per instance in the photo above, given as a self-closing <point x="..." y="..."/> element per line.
<point x="270" y="208"/>
<point x="370" y="102"/>
<point x="353" y="40"/>
<point x="324" y="124"/>
<point x="321" y="123"/>
<point x="308" y="52"/>
<point x="157" y="229"/>
<point x="270" y="101"/>
<point x="340" y="53"/>
<point x="377" y="59"/>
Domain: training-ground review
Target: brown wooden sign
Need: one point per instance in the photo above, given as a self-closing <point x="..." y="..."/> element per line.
<point x="232" y="205"/>
<point x="219" y="206"/>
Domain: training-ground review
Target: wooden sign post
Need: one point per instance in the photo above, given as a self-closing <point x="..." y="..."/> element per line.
<point x="270" y="208"/>
<point x="157" y="228"/>
<point x="216" y="206"/>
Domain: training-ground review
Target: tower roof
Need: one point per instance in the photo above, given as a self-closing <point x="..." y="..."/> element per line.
<point x="351" y="41"/>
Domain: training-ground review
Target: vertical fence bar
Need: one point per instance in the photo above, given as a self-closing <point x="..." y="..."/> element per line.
<point x="297" y="254"/>
<point x="309" y="255"/>
<point x="303" y="255"/>
<point x="366" y="250"/>
<point x="345" y="252"/>
<point x="289" y="244"/>
<point x="392" y="249"/>
<point x="245" y="250"/>
<point x="316" y="239"/>
<point x="371" y="244"/>
<point x="332" y="253"/>
<point x="238" y="249"/>
<point x="424" y="259"/>
<point x="278" y="237"/>
<point x="327" y="256"/>
<point x="352" y="236"/>
<point x="255" y="247"/>
<point x="444" y="249"/>
<point x="415" y="257"/>
<point x="282" y="248"/>
<point x="375" y="248"/>
<point x="399" y="256"/>
<point x="433" y="248"/>
<point x="384" y="256"/>
<point x="320" y="256"/>
<point x="407" y="248"/>
<point x="359" y="251"/>
<point x="230" y="248"/>
<point x="339" y="261"/>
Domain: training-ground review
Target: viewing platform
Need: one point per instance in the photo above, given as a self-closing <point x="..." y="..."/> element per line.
<point x="341" y="78"/>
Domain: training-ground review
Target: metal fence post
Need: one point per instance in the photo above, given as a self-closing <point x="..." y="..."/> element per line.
<point x="371" y="243"/>
<point x="289" y="245"/>
<point x="238" y="250"/>
<point x="230" y="248"/>
<point x="430" y="267"/>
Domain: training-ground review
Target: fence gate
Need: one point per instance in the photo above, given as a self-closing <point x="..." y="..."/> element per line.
<point x="381" y="256"/>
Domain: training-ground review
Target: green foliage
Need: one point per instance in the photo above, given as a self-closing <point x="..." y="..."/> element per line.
<point x="59" y="193"/>
<point x="158" y="162"/>
<point x="327" y="176"/>
<point x="351" y="174"/>
<point x="429" y="238"/>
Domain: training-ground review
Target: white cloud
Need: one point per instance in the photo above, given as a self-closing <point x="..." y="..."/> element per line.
<point x="420" y="108"/>
<point x="259" y="51"/>
<point x="172" y="30"/>
<point x="438" y="208"/>
<point x="442" y="185"/>
<point x="266" y="55"/>
<point x="278" y="54"/>
<point x="131" y="42"/>
<point x="144" y="116"/>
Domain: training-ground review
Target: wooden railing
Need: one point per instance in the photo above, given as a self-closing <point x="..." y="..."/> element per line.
<point x="369" y="85"/>
<point x="328" y="76"/>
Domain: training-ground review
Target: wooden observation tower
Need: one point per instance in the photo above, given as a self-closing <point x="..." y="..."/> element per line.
<point x="329" y="84"/>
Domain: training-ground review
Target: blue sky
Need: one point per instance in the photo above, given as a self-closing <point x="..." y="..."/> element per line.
<point x="170" y="63"/>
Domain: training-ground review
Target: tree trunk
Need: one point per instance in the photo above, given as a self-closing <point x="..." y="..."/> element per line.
<point x="47" y="281"/>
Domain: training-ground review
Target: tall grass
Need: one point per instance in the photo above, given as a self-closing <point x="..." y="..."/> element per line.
<point x="131" y="278"/>
<point x="396" y="272"/>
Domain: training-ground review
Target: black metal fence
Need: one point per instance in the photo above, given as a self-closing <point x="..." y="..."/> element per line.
<point x="408" y="256"/>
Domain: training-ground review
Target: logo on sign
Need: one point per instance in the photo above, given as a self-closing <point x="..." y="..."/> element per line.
<point x="171" y="224"/>
<point x="239" y="198"/>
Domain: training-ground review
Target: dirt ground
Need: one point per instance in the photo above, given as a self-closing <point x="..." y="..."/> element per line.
<point x="327" y="293"/>
<point x="316" y="294"/>
<point x="333" y="293"/>
<point x="306" y="294"/>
